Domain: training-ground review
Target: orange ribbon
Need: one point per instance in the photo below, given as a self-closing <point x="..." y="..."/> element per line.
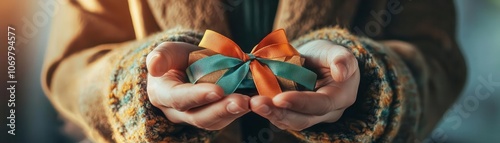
<point x="274" y="45"/>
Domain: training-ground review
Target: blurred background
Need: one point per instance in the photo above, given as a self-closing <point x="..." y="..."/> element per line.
<point x="475" y="117"/>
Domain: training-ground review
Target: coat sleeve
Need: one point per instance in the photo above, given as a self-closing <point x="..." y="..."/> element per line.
<point x="411" y="70"/>
<point x="94" y="74"/>
<point x="423" y="35"/>
<point x="386" y="94"/>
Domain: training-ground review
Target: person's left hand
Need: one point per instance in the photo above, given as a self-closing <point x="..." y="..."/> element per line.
<point x="336" y="89"/>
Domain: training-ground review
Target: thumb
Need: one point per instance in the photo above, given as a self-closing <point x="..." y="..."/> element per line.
<point x="343" y="65"/>
<point x="325" y="54"/>
<point x="167" y="56"/>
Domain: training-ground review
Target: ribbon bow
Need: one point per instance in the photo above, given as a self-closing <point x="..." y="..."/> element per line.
<point x="258" y="62"/>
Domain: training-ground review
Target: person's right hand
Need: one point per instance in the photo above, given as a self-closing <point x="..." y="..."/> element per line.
<point x="202" y="105"/>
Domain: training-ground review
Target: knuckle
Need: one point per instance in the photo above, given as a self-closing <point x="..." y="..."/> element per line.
<point x="219" y="115"/>
<point x="197" y="123"/>
<point x="150" y="56"/>
<point x="195" y="100"/>
<point x="177" y="106"/>
<point x="298" y="126"/>
<point x="282" y="127"/>
<point x="351" y="100"/>
<point x="299" y="105"/>
<point x="211" y="129"/>
<point x="329" y="106"/>
<point x="302" y="125"/>
<point x="174" y="103"/>
<point x="334" y="118"/>
<point x="323" y="111"/>
<point x="279" y="115"/>
<point x="168" y="51"/>
<point x="279" y="125"/>
<point x="172" y="117"/>
<point x="350" y="59"/>
<point x="152" y="98"/>
<point x="223" y="115"/>
<point x="155" y="102"/>
<point x="217" y="127"/>
<point x="344" y="55"/>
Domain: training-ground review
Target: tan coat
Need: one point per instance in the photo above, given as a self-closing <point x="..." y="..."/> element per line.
<point x="411" y="67"/>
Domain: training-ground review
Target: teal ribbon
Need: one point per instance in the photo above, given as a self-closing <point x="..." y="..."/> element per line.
<point x="238" y="71"/>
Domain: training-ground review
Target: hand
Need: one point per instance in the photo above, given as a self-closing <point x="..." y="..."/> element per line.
<point x="202" y="105"/>
<point x="336" y="89"/>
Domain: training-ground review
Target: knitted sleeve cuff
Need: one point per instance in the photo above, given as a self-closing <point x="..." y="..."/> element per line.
<point x="387" y="98"/>
<point x="131" y="115"/>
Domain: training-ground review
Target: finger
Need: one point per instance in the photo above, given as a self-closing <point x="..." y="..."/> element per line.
<point x="302" y="102"/>
<point x="342" y="94"/>
<point x="264" y="107"/>
<point x="213" y="116"/>
<point x="169" y="91"/>
<point x="343" y="65"/>
<point x="261" y="105"/>
<point x="280" y="117"/>
<point x="331" y="97"/>
<point x="286" y="119"/>
<point x="279" y="125"/>
<point x="168" y="55"/>
<point x="325" y="54"/>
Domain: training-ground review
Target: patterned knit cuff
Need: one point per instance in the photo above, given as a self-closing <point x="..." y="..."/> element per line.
<point x="132" y="116"/>
<point x="386" y="90"/>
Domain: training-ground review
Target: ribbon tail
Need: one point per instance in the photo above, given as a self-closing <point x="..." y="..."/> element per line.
<point x="208" y="65"/>
<point x="232" y="79"/>
<point x="292" y="72"/>
<point x="265" y="81"/>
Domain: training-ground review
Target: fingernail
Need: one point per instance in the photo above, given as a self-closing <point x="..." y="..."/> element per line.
<point x="341" y="67"/>
<point x="233" y="108"/>
<point x="265" y="109"/>
<point x="284" y="104"/>
<point x="212" y="96"/>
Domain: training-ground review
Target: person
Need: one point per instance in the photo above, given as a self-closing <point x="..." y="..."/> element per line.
<point x="387" y="70"/>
